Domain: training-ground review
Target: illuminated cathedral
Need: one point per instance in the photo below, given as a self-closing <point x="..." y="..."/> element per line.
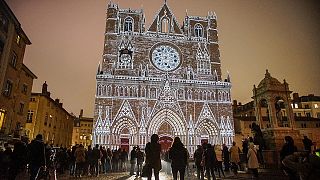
<point x="163" y="79"/>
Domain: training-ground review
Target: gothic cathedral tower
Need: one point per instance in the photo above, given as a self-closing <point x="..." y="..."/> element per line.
<point x="162" y="79"/>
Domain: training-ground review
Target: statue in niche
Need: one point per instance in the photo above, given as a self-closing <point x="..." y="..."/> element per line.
<point x="278" y="113"/>
<point x="189" y="72"/>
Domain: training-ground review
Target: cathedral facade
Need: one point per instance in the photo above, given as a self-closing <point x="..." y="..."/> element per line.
<point x="162" y="79"/>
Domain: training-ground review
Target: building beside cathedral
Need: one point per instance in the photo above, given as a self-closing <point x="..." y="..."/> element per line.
<point x="278" y="114"/>
<point x="16" y="79"/>
<point x="162" y="79"/>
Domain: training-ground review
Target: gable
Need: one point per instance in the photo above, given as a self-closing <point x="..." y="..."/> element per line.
<point x="165" y="13"/>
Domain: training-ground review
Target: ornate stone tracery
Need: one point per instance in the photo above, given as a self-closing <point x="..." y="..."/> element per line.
<point x="136" y="98"/>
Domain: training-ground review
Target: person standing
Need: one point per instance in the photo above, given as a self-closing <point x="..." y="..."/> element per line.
<point x="287" y="149"/>
<point x="96" y="155"/>
<point x="80" y="155"/>
<point x="197" y="159"/>
<point x="19" y="160"/>
<point x="6" y="159"/>
<point x="218" y="151"/>
<point x="253" y="162"/>
<point x="210" y="161"/>
<point x="226" y="157"/>
<point x="108" y="160"/>
<point x="124" y="159"/>
<point x="153" y="150"/>
<point x="234" y="158"/>
<point x="307" y="143"/>
<point x="133" y="159"/>
<point x="140" y="160"/>
<point x="179" y="158"/>
<point x="36" y="150"/>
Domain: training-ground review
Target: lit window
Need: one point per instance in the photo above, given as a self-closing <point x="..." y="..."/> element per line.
<point x="128" y="24"/>
<point x="2" y="115"/>
<point x="291" y="105"/>
<point x="29" y="116"/>
<point x="316" y="106"/>
<point x="296" y="105"/>
<point x="80" y="137"/>
<point x="18" y="39"/>
<point x="198" y="30"/>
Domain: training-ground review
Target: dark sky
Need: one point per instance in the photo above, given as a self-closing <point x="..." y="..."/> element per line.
<point x="254" y="35"/>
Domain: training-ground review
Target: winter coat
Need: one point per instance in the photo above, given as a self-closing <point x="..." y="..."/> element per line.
<point x="287" y="149"/>
<point x="234" y="153"/>
<point x="308" y="169"/>
<point x="178" y="156"/>
<point x="153" y="151"/>
<point x="36" y="150"/>
<point x="252" y="158"/>
<point x="210" y="158"/>
<point x="198" y="156"/>
<point x="140" y="157"/>
<point x="218" y="152"/>
<point x="80" y="155"/>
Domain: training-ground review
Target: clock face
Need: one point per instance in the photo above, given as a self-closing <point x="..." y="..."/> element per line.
<point x="165" y="58"/>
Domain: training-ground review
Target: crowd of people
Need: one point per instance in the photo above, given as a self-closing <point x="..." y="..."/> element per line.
<point x="39" y="159"/>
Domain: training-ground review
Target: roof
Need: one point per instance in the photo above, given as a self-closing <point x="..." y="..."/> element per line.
<point x="309" y="98"/>
<point x="17" y="24"/>
<point x="268" y="79"/>
<point x="303" y="118"/>
<point x="27" y="70"/>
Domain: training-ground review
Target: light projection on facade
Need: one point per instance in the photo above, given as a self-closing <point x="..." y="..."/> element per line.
<point x="164" y="79"/>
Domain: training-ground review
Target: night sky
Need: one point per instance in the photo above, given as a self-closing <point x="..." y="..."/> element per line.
<point x="254" y="35"/>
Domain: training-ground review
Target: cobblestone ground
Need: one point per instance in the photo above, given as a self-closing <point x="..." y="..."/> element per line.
<point x="264" y="175"/>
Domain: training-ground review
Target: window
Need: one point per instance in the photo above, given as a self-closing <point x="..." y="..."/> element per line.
<point x="18" y="39"/>
<point x="8" y="88"/>
<point x="308" y="114"/>
<point x="32" y="99"/>
<point x="3" y="23"/>
<point x="2" y="115"/>
<point x="303" y="125"/>
<point x="13" y="61"/>
<point x="29" y="116"/>
<point x="24" y="89"/>
<point x="46" y="119"/>
<point x="316" y="106"/>
<point x="306" y="106"/>
<point x="128" y="24"/>
<point x="1" y="47"/>
<point x="296" y="105"/>
<point x="21" y="108"/>
<point x="165" y="25"/>
<point x="198" y="30"/>
<point x="299" y="114"/>
<point x="318" y="115"/>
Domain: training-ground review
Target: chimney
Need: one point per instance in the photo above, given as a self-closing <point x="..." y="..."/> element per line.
<point x="57" y="101"/>
<point x="235" y="102"/>
<point x="296" y="97"/>
<point x="45" y="88"/>
<point x="81" y="113"/>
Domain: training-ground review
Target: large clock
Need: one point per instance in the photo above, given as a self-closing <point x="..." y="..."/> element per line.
<point x="165" y="57"/>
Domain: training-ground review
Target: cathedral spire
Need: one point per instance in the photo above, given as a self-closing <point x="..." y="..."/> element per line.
<point x="99" y="69"/>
